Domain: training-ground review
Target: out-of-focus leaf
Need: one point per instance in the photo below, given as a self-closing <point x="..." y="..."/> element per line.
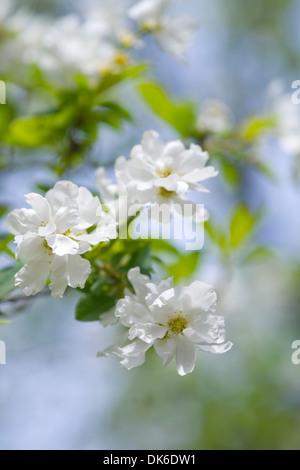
<point x="43" y="187"/>
<point x="3" y="210"/>
<point x="112" y="79"/>
<point x="184" y="267"/>
<point x="230" y="172"/>
<point x="111" y="114"/>
<point x="143" y="258"/>
<point x="162" y="245"/>
<point x="7" y="281"/>
<point x="260" y="253"/>
<point x="90" y="307"/>
<point x="7" y="113"/>
<point x="181" y="116"/>
<point x="241" y="225"/>
<point x="266" y="170"/>
<point x="217" y="235"/>
<point x="4" y="241"/>
<point x="43" y="129"/>
<point x="255" y="127"/>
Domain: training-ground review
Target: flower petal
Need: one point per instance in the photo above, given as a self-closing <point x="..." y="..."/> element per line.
<point x="63" y="194"/>
<point x="89" y="208"/>
<point x="20" y="221"/>
<point x="79" y="270"/>
<point x="147" y="332"/>
<point x="58" y="276"/>
<point x="133" y="354"/>
<point x="40" y="205"/>
<point x="62" y="245"/>
<point x="165" y="348"/>
<point x="215" y="348"/>
<point x="66" y="218"/>
<point x="33" y="276"/>
<point x="185" y="355"/>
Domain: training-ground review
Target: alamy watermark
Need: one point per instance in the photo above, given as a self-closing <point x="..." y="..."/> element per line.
<point x="2" y="92"/>
<point x="2" y="353"/>
<point x="296" y="354"/>
<point x="296" y="94"/>
<point x="178" y="222"/>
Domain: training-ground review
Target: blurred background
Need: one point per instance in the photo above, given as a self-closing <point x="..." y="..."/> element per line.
<point x="54" y="392"/>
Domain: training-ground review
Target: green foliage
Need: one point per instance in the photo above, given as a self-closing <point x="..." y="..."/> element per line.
<point x="255" y="127"/>
<point x="180" y="115"/>
<point x="5" y="240"/>
<point x="90" y="307"/>
<point x="241" y="225"/>
<point x="110" y="265"/>
<point x="185" y="266"/>
<point x="235" y="242"/>
<point x="69" y="126"/>
<point x="7" y="282"/>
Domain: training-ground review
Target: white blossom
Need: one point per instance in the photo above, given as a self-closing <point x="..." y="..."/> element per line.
<point x="54" y="233"/>
<point x="174" y="320"/>
<point x="173" y="35"/>
<point x="284" y="114"/>
<point x="215" y="117"/>
<point x="159" y="173"/>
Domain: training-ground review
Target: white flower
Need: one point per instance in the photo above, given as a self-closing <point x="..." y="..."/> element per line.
<point x="286" y="116"/>
<point x="174" y="320"/>
<point x="159" y="173"/>
<point x="215" y="117"/>
<point x="107" y="189"/>
<point x="67" y="45"/>
<point x="53" y="234"/>
<point x="117" y="197"/>
<point x="173" y="35"/>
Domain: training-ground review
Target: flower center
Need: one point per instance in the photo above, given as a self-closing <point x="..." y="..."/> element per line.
<point x="164" y="173"/>
<point x="47" y="248"/>
<point x="178" y="323"/>
<point x="163" y="192"/>
<point x="151" y="25"/>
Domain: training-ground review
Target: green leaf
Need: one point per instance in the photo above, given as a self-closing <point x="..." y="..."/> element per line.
<point x="162" y="245"/>
<point x="230" y="172"/>
<point x="241" y="225"/>
<point x="112" y="79"/>
<point x="181" y="116"/>
<point x="259" y="254"/>
<point x="217" y="235"/>
<point x="7" y="281"/>
<point x="142" y="258"/>
<point x="90" y="306"/>
<point x="42" y="129"/>
<point x="4" y="242"/>
<point x="185" y="267"/>
<point x="255" y="127"/>
<point x="111" y="114"/>
<point x="3" y="210"/>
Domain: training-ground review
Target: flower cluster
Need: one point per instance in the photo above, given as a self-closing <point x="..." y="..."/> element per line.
<point x="174" y="320"/>
<point x="158" y="173"/>
<point x="53" y="235"/>
<point x="59" y="228"/>
<point x="172" y="34"/>
<point x="93" y="42"/>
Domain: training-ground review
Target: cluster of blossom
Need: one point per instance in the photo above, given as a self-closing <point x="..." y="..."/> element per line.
<point x="62" y="226"/>
<point x="158" y="173"/>
<point x="286" y="115"/>
<point x="174" y="320"/>
<point x="53" y="235"/>
<point x="93" y="41"/>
